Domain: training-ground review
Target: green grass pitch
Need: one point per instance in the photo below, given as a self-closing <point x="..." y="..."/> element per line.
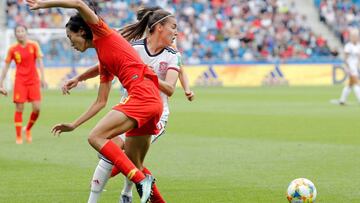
<point x="230" y="145"/>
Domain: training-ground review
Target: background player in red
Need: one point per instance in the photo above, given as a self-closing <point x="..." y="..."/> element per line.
<point x="138" y="115"/>
<point x="25" y="53"/>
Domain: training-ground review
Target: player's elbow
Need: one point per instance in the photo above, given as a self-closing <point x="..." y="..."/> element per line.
<point x="78" y="4"/>
<point x="170" y="91"/>
<point x="101" y="104"/>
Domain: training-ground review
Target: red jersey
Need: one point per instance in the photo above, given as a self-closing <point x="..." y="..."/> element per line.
<point x="25" y="58"/>
<point x="118" y="58"/>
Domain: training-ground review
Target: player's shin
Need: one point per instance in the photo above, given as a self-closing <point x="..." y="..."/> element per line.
<point x="99" y="180"/>
<point x="345" y="94"/>
<point x="112" y="152"/>
<point x="33" y="117"/>
<point x="18" y="126"/>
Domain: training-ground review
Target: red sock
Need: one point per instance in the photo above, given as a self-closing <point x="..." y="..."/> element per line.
<point x="112" y="152"/>
<point x="156" y="196"/>
<point x="114" y="171"/>
<point x="18" y="123"/>
<point x="33" y="117"/>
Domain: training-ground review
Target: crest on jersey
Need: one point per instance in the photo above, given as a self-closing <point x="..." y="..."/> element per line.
<point x="17" y="57"/>
<point x="163" y="66"/>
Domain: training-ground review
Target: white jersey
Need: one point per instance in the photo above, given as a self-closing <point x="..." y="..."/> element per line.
<point x="353" y="51"/>
<point x="165" y="60"/>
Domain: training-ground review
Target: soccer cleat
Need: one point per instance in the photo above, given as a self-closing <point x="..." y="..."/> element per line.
<point x="19" y="140"/>
<point x="338" y="102"/>
<point x="125" y="198"/>
<point x="144" y="188"/>
<point x="27" y="134"/>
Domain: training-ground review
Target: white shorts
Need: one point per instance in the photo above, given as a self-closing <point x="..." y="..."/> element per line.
<point x="161" y="125"/>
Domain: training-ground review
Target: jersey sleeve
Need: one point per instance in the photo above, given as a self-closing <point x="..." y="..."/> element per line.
<point x="180" y="59"/>
<point x="99" y="30"/>
<point x="105" y="76"/>
<point x="38" y="52"/>
<point x="175" y="62"/>
<point x="9" y="56"/>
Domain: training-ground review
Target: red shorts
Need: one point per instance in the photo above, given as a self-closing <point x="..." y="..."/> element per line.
<point x="26" y="93"/>
<point x="145" y="106"/>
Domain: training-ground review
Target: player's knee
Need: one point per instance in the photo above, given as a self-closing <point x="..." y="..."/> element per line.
<point x="92" y="138"/>
<point x="19" y="108"/>
<point x="36" y="109"/>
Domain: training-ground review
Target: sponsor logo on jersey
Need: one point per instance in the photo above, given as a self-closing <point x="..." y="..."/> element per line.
<point x="135" y="77"/>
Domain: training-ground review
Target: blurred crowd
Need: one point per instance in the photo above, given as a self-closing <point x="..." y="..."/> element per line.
<point x="340" y="15"/>
<point x="210" y="31"/>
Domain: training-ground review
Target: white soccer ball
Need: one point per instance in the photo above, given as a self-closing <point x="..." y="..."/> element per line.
<point x="301" y="190"/>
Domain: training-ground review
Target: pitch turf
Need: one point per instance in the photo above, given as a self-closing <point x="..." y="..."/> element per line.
<point x="230" y="145"/>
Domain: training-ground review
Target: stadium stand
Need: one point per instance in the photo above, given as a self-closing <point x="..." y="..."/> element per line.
<point x="339" y="15"/>
<point x="223" y="31"/>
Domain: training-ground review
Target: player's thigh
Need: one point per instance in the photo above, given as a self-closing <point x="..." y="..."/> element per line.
<point x="136" y="148"/>
<point x="112" y="124"/>
<point x="34" y="93"/>
<point x="353" y="79"/>
<point x="20" y="94"/>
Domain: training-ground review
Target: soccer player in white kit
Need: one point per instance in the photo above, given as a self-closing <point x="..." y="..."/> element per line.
<point x="352" y="62"/>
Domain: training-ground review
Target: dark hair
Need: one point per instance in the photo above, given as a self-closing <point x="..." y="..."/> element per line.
<point x="77" y="23"/>
<point x="20" y="25"/>
<point x="147" y="17"/>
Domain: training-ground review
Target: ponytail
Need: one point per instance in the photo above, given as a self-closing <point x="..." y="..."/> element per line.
<point x="147" y="19"/>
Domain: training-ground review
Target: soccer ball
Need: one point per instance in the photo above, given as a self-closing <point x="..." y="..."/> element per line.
<point x="301" y="190"/>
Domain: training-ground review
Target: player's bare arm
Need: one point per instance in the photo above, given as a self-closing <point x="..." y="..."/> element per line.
<point x="87" y="14"/>
<point x="168" y="85"/>
<point x="184" y="80"/>
<point x="100" y="103"/>
<point x="73" y="82"/>
<point x="2" y="78"/>
<point x="346" y="67"/>
<point x="42" y="72"/>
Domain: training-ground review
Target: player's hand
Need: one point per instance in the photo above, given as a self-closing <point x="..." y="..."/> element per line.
<point x="3" y="91"/>
<point x="63" y="127"/>
<point x="190" y="95"/>
<point x="44" y="84"/>
<point x="69" y="85"/>
<point x="34" y="4"/>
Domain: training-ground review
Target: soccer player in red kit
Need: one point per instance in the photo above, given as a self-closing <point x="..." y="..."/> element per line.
<point x="27" y="86"/>
<point x="137" y="115"/>
<point x="160" y="30"/>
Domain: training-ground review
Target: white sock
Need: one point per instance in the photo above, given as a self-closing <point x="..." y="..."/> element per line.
<point x="98" y="182"/>
<point x="128" y="185"/>
<point x="345" y="93"/>
<point x="357" y="92"/>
